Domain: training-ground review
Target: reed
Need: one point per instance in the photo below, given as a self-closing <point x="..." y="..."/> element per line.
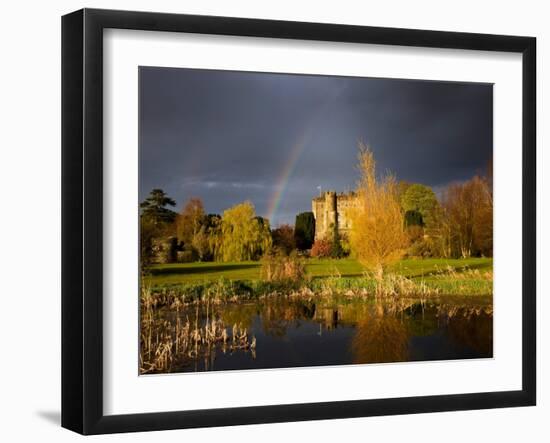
<point x="167" y="344"/>
<point x="463" y="281"/>
<point x="179" y="336"/>
<point x="284" y="276"/>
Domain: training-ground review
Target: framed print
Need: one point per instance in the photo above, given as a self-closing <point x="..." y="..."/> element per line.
<point x="269" y="221"/>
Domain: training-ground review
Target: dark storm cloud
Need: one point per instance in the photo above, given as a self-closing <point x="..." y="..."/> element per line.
<point x="230" y="136"/>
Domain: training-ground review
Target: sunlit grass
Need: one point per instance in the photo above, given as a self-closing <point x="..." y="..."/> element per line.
<point x="416" y="269"/>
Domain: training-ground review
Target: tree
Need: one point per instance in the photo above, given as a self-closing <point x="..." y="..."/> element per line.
<point x="214" y="229"/>
<point x="147" y="233"/>
<point x="264" y="238"/>
<point x="469" y="218"/>
<point x="156" y="226"/>
<point x="336" y="250"/>
<point x="483" y="218"/>
<point x="190" y="220"/>
<point x="422" y="199"/>
<point x="402" y="186"/>
<point x="283" y="238"/>
<point x="304" y="230"/>
<point x="377" y="236"/>
<point x="413" y="218"/>
<point x="243" y="236"/>
<point x="154" y="207"/>
<point x="201" y="244"/>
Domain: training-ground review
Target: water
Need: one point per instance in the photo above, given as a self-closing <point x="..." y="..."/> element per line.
<point x="298" y="333"/>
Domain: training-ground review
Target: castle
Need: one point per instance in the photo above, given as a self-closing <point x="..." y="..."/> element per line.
<point x="330" y="210"/>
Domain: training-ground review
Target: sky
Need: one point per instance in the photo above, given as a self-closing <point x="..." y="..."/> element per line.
<point x="278" y="140"/>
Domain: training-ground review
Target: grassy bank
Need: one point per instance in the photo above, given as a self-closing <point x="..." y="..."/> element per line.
<point x="416" y="269"/>
<point x="223" y="282"/>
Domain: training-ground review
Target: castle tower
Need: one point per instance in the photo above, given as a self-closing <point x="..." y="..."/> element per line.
<point x="331" y="212"/>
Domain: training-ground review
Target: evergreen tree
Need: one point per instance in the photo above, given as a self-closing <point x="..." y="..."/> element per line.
<point x="336" y="250"/>
<point x="304" y="230"/>
<point x="413" y="218"/>
<point x="154" y="207"/>
<point x="421" y="198"/>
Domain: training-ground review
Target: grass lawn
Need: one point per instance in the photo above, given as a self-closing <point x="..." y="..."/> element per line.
<point x="412" y="268"/>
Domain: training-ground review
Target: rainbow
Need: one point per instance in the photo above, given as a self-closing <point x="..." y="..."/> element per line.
<point x="286" y="172"/>
<point x="295" y="154"/>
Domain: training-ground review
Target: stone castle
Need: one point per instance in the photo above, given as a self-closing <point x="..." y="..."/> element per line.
<point x="330" y="210"/>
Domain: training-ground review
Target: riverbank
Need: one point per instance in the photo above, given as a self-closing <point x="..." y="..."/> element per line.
<point x="188" y="283"/>
<point x="287" y="331"/>
<point x="199" y="272"/>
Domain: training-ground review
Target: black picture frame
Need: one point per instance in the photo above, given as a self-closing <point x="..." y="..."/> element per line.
<point x="82" y="218"/>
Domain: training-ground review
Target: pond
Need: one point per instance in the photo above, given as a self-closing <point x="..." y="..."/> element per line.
<point x="285" y="332"/>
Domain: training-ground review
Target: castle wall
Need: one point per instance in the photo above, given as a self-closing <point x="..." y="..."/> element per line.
<point x="331" y="209"/>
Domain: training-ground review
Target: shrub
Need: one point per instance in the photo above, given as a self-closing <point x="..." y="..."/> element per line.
<point x="345" y="245"/>
<point x="420" y="248"/>
<point x="415" y="233"/>
<point x="336" y="250"/>
<point x="188" y="255"/>
<point x="165" y="250"/>
<point x="279" y="267"/>
<point x="322" y="248"/>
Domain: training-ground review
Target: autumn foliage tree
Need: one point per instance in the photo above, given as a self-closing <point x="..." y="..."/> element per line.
<point x="190" y="220"/>
<point x="377" y="237"/>
<point x="283" y="238"/>
<point x="469" y="218"/>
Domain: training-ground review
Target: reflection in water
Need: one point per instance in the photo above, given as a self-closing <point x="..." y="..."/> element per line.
<point x="472" y="329"/>
<point x="284" y="332"/>
<point x="380" y="338"/>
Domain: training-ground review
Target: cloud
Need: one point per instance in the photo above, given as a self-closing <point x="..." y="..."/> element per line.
<point x="230" y="136"/>
<point x="223" y="184"/>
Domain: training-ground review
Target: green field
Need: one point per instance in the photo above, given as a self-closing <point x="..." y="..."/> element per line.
<point x="416" y="269"/>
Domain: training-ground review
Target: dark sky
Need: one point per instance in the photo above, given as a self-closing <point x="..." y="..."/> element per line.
<point x="274" y="139"/>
